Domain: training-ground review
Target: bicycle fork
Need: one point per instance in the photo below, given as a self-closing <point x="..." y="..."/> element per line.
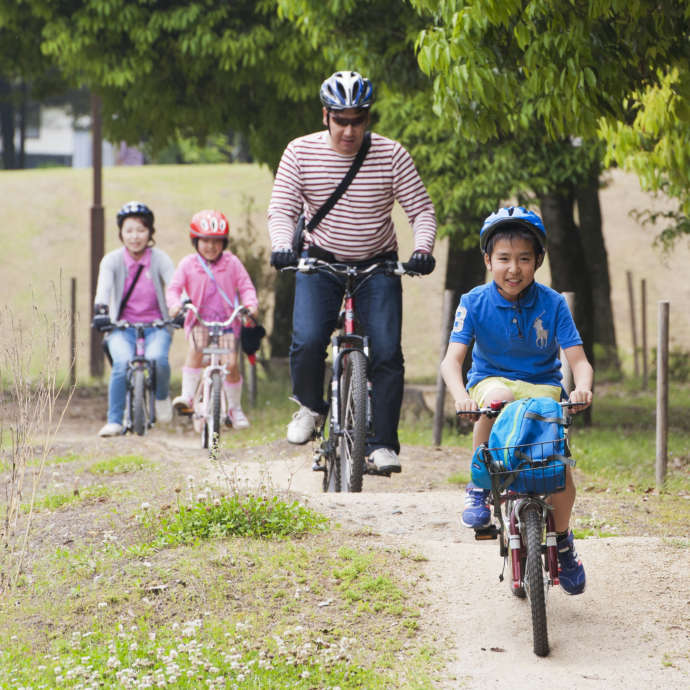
<point x="517" y="546"/>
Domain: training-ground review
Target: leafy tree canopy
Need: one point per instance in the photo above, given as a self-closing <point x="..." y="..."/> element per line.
<point x="186" y="67"/>
<point x="616" y="69"/>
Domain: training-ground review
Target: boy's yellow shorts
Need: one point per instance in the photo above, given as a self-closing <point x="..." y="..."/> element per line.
<point x="520" y="389"/>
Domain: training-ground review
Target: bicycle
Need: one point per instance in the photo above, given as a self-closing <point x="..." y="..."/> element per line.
<point x="525" y="517"/>
<point x="210" y="405"/>
<point x="341" y="452"/>
<point x="140" y="405"/>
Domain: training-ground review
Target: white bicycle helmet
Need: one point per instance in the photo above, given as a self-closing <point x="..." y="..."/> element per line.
<point x="344" y="90"/>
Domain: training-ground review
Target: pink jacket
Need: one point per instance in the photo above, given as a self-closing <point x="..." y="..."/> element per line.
<point x="191" y="278"/>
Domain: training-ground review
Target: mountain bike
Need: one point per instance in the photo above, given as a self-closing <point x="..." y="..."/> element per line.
<point x="217" y="341"/>
<point x="140" y="398"/>
<point x="342" y="448"/>
<point x="526" y="528"/>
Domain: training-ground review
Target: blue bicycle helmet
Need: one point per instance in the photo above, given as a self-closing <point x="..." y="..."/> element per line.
<point x="344" y="90"/>
<point x="135" y="208"/>
<point x="513" y="215"/>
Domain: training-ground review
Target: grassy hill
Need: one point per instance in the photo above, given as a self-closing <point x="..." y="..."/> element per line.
<point x="45" y="240"/>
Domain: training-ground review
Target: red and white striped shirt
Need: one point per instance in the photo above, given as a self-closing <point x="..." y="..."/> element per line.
<point x="359" y="226"/>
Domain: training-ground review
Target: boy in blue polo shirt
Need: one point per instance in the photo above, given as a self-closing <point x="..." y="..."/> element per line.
<point x="518" y="326"/>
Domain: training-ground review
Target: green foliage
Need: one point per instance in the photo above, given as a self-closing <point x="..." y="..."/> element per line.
<point x="607" y="68"/>
<point x="248" y="516"/>
<point x="186" y="69"/>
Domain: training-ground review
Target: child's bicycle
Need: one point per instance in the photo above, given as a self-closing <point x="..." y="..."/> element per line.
<point x="210" y="405"/>
<point x="140" y="400"/>
<point x="526" y="530"/>
<point x="341" y="453"/>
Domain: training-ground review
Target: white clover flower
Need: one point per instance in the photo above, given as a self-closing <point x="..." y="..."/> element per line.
<point x="145" y="505"/>
<point x="102" y="604"/>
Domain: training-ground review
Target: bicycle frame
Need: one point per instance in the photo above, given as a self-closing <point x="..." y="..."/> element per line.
<point x="210" y="403"/>
<point x="528" y="538"/>
<point x="139" y="363"/>
<point x="345" y="343"/>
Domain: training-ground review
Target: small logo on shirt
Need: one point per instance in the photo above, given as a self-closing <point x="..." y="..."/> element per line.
<point x="460" y="315"/>
<point x="542" y="334"/>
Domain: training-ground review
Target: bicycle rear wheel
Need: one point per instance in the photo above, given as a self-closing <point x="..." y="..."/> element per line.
<point x="139" y="418"/>
<point x="353" y="408"/>
<point x="534" y="579"/>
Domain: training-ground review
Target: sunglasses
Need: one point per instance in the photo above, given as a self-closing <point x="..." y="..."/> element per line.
<point x="347" y="121"/>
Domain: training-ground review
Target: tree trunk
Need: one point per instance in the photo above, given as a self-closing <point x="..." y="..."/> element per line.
<point x="589" y="211"/>
<point x="281" y="333"/>
<point x="465" y="270"/>
<point x="7" y="125"/>
<point x="23" y="109"/>
<point x="569" y="270"/>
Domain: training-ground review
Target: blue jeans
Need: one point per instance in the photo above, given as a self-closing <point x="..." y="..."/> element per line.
<point x="122" y="347"/>
<point x="378" y="306"/>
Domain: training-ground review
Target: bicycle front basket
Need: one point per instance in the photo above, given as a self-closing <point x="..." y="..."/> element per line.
<point x="531" y="468"/>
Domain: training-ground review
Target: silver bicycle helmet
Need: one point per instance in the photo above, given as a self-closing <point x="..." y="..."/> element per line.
<point x="344" y="90"/>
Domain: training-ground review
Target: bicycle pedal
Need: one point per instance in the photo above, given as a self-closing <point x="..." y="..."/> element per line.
<point x="370" y="468"/>
<point x="490" y="532"/>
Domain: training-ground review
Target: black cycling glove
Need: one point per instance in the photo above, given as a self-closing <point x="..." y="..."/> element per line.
<point x="422" y="263"/>
<point x="179" y="319"/>
<point x="101" y="318"/>
<point x="283" y="258"/>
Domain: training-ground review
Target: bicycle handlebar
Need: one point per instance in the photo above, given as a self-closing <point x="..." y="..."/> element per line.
<point x="312" y="265"/>
<point x="495" y="408"/>
<point x="239" y="310"/>
<point x="158" y="323"/>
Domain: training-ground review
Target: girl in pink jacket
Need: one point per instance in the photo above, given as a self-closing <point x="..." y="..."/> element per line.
<point x="215" y="281"/>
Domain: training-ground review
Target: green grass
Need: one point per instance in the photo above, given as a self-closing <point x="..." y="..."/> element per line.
<point x="219" y="613"/>
<point x="83" y="495"/>
<point x="122" y="464"/>
<point x="246" y="516"/>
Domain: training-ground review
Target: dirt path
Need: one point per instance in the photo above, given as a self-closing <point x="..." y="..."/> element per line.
<point x="630" y="629"/>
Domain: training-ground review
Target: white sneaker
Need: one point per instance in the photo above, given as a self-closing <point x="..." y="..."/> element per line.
<point x="164" y="411"/>
<point x="385" y="460"/>
<point x="182" y="405"/>
<point x="303" y="425"/>
<point x="111" y="429"/>
<point x="238" y="419"/>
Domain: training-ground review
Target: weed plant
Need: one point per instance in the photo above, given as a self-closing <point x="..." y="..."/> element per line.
<point x="227" y="516"/>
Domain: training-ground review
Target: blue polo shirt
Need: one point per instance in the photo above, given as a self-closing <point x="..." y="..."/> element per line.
<point x="517" y="340"/>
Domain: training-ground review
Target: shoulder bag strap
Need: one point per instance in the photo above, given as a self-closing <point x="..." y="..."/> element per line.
<point x="209" y="273"/>
<point x="123" y="304"/>
<point x="344" y="183"/>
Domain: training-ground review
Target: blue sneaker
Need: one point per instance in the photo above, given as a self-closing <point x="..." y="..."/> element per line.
<point x="477" y="513"/>
<point x="571" y="572"/>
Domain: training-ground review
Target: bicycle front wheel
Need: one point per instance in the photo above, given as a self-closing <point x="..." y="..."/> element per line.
<point x="216" y="406"/>
<point x="139" y="402"/>
<point x="534" y="579"/>
<point x="353" y="406"/>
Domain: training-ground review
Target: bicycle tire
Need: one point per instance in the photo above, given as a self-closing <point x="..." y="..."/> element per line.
<point x="520" y="591"/>
<point x="139" y="402"/>
<point x="216" y="407"/>
<point x="353" y="409"/>
<point x="534" y="579"/>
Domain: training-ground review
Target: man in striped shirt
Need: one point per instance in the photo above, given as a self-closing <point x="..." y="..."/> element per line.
<point x="358" y="229"/>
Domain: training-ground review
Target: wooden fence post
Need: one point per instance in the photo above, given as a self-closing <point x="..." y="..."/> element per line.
<point x="440" y="384"/>
<point x="565" y="367"/>
<point x="662" y="396"/>
<point x="643" y="327"/>
<point x="73" y="333"/>
<point x="631" y="299"/>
